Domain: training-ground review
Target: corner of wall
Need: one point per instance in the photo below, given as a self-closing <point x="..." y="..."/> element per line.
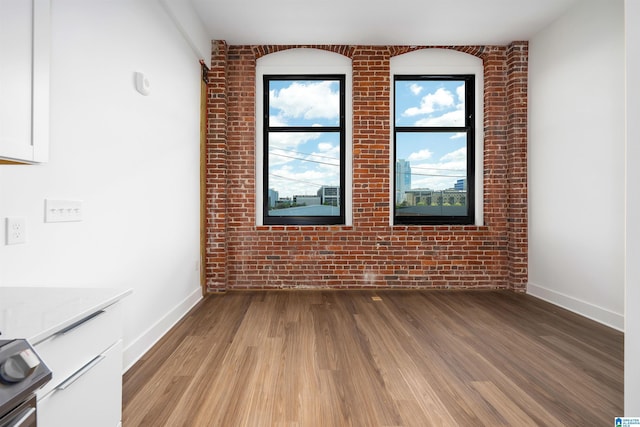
<point x="583" y="308"/>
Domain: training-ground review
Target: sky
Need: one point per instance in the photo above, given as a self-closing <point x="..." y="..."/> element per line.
<point x="301" y="162"/>
<point x="437" y="160"/>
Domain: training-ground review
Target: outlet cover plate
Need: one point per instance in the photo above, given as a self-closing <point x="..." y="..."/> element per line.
<point x="16" y="230"/>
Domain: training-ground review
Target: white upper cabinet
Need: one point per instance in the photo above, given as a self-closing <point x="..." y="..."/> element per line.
<point x="24" y="80"/>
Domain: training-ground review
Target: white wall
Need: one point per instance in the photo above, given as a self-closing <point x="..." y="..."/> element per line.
<point x="188" y="22"/>
<point x="132" y="160"/>
<point x="632" y="298"/>
<point x="576" y="161"/>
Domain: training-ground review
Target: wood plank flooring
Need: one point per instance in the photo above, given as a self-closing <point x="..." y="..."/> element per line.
<point x="414" y="358"/>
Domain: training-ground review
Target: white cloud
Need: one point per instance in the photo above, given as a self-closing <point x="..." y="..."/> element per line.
<point x="420" y="155"/>
<point x="459" y="156"/>
<point x="279" y="157"/>
<point x="294" y="172"/>
<point x="291" y="139"/>
<point x="291" y="180"/>
<point x="441" y="99"/>
<point x="329" y="160"/>
<point x="458" y="135"/>
<point x="325" y="146"/>
<point x="328" y="157"/>
<point x="277" y="121"/>
<point x="431" y="102"/>
<point x="432" y="182"/>
<point x="442" y="174"/>
<point x="460" y="93"/>
<point x="452" y="118"/>
<point x="282" y="146"/>
<point x="309" y="100"/>
<point x="415" y="89"/>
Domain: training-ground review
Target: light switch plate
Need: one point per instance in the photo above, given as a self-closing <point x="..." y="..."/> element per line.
<point x="62" y="210"/>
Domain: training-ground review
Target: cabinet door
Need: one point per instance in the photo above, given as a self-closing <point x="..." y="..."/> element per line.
<point x="90" y="338"/>
<point x="24" y="80"/>
<point x="90" y="397"/>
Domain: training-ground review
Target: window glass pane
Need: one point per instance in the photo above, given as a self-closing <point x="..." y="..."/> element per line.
<point x="431" y="174"/>
<point x="437" y="103"/>
<point x="304" y="103"/>
<point x="304" y="174"/>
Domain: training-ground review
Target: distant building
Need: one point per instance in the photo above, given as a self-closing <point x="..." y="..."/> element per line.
<point x="454" y="197"/>
<point x="420" y="196"/>
<point x="306" y="200"/>
<point x="403" y="180"/>
<point x="460" y="185"/>
<point x="273" y="197"/>
<point x="329" y="195"/>
<point x="283" y="202"/>
<point x="428" y="197"/>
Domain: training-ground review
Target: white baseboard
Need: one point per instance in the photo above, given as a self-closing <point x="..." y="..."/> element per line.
<point x="134" y="351"/>
<point x="583" y="308"/>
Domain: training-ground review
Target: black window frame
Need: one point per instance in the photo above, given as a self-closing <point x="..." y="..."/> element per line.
<point x="468" y="128"/>
<point x="268" y="129"/>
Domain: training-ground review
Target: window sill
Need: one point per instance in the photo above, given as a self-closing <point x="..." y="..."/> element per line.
<point x="304" y="228"/>
<point x="439" y="227"/>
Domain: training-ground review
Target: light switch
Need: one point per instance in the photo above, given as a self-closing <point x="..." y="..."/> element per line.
<point x="62" y="210"/>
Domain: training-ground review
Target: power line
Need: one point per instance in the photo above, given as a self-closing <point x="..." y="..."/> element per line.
<point x="437" y="169"/>
<point x="435" y="175"/>
<point x="299" y="152"/>
<point x="303" y="160"/>
<point x="296" y="180"/>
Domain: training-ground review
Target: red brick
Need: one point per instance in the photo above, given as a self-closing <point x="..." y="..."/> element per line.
<point x="369" y="254"/>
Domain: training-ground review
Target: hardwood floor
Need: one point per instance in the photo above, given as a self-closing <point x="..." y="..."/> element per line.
<point x="413" y="358"/>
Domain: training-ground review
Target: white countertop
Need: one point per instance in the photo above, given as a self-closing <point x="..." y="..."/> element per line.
<point x="36" y="313"/>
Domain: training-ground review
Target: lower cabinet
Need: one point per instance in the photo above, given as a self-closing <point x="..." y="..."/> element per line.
<point x="85" y="359"/>
<point x="91" y="396"/>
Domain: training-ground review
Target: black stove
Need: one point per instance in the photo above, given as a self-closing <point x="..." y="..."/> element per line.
<point x="22" y="372"/>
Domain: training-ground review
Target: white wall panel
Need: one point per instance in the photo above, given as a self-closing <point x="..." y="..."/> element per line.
<point x="132" y="160"/>
<point x="576" y="161"/>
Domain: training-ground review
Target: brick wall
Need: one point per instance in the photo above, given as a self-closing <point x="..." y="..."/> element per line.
<point x="370" y="253"/>
<point x="215" y="263"/>
<point x="517" y="73"/>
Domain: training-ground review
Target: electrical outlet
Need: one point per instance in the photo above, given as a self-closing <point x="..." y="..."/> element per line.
<point x="16" y="231"/>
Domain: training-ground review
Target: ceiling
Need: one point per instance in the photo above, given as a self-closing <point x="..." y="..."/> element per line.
<point x="377" y="22"/>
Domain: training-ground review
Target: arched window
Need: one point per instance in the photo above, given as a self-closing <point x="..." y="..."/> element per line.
<point x="303" y="134"/>
<point x="437" y="118"/>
